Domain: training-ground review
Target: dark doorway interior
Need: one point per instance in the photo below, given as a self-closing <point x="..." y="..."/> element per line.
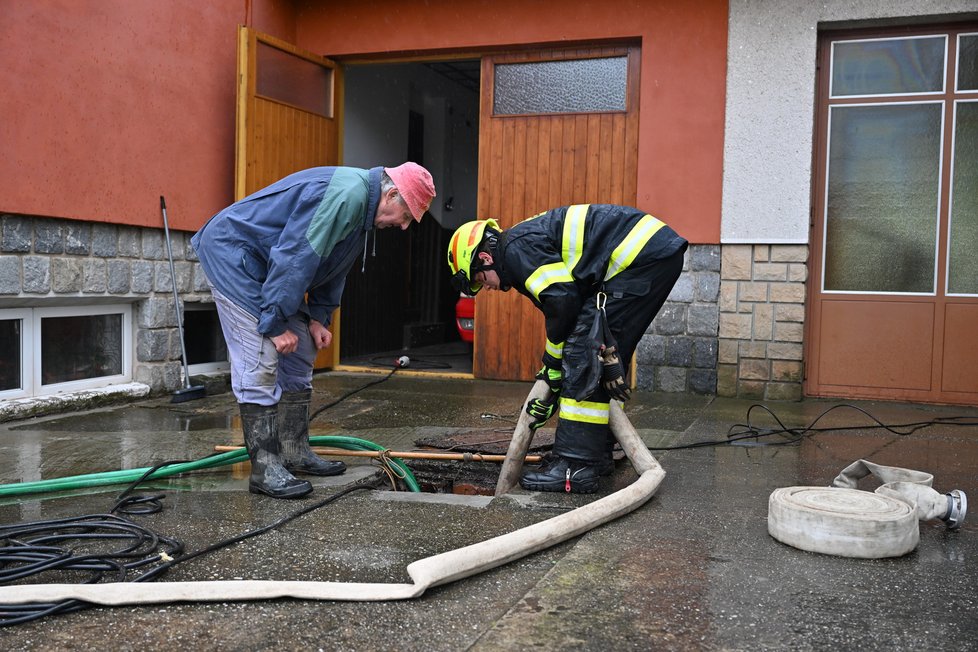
<point x="398" y="300"/>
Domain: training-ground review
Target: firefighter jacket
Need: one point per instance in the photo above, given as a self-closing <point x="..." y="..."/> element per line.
<point x="295" y="239"/>
<point x="561" y="258"/>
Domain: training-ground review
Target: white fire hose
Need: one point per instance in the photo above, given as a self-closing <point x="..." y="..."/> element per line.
<point x="842" y="520"/>
<point x="425" y="573"/>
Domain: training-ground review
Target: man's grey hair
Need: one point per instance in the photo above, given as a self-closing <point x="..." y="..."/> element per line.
<point x="386" y="183"/>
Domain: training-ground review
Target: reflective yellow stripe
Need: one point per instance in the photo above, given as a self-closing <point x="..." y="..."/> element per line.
<point x="624" y="254"/>
<point x="573" y="242"/>
<point x="584" y="411"/>
<point x="555" y="350"/>
<point x="545" y="276"/>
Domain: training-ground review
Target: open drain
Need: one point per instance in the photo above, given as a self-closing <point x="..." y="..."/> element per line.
<point x="472" y="475"/>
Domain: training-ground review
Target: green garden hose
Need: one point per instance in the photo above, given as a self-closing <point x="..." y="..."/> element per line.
<point x="231" y="457"/>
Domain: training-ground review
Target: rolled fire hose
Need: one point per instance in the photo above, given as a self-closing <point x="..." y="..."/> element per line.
<point x="842" y="520"/>
<point x="425" y="573"/>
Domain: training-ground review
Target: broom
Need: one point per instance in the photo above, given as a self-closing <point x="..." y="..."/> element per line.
<point x="189" y="392"/>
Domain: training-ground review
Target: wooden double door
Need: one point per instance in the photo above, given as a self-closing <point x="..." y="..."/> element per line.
<point x="557" y="127"/>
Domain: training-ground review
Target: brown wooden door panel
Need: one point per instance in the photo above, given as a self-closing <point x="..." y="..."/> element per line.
<point x="275" y="137"/>
<point x="960" y="349"/>
<point x="877" y="344"/>
<point x="532" y="163"/>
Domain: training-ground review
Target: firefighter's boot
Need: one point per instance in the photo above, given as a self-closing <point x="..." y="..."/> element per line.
<point x="293" y="428"/>
<point x="268" y="475"/>
<point x="607" y="464"/>
<point x="578" y="452"/>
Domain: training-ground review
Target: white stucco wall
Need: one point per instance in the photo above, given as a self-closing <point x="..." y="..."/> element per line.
<point x="768" y="149"/>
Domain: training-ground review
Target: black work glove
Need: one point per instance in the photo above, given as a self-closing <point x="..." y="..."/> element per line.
<point x="553" y="377"/>
<point x="541" y="409"/>
<point x="613" y="375"/>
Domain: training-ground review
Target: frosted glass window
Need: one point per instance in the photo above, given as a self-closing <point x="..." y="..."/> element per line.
<point x="968" y="62"/>
<point x="888" y="66"/>
<point x="962" y="258"/>
<point x="567" y="86"/>
<point x="882" y="198"/>
<point x="291" y="79"/>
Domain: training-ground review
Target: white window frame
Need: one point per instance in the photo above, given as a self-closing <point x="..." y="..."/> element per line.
<point x="950" y="207"/>
<point x="825" y="200"/>
<point x="204" y="367"/>
<point x="89" y="383"/>
<point x="833" y="96"/>
<point x="957" y="71"/>
<point x="26" y="345"/>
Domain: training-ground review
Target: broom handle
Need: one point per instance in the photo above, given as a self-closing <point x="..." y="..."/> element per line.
<point x="176" y="297"/>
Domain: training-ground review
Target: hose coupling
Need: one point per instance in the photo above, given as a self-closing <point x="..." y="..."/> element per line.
<point x="957" y="508"/>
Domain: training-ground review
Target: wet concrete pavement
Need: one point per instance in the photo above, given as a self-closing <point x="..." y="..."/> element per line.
<point x="694" y="568"/>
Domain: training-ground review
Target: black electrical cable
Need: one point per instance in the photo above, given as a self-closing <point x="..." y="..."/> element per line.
<point x="749" y="435"/>
<point x="30" y="549"/>
<point x="323" y="408"/>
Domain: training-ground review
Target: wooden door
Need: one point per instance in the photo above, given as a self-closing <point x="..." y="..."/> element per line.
<point x="894" y="291"/>
<point x="540" y="148"/>
<point x="287" y="120"/>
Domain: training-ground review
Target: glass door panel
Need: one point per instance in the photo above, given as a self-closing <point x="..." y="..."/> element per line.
<point x="962" y="273"/>
<point x="882" y="198"/>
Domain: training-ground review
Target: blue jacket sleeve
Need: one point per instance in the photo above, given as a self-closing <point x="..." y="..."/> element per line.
<point x="307" y="239"/>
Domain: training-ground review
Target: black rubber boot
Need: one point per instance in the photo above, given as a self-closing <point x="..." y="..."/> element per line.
<point x="293" y="428"/>
<point x="562" y="474"/>
<point x="268" y="475"/>
<point x="607" y="464"/>
<point x="579" y="450"/>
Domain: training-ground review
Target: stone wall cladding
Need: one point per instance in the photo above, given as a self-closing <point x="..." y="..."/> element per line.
<point x="762" y="315"/>
<point x="679" y="351"/>
<point x="51" y="262"/>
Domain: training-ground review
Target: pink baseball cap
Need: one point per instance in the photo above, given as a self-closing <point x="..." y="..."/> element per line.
<point x="415" y="185"/>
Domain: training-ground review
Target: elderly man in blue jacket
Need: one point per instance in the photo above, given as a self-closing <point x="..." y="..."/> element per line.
<point x="277" y="262"/>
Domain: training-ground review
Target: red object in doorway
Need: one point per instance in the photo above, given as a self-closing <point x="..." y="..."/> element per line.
<point x="465" y="317"/>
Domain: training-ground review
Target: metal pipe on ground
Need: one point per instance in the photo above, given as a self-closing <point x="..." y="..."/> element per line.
<point x="407" y="455"/>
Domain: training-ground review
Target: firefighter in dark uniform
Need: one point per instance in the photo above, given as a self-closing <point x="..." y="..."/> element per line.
<point x="599" y="273"/>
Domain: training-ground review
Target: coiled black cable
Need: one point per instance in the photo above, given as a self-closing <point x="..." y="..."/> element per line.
<point x="57" y="545"/>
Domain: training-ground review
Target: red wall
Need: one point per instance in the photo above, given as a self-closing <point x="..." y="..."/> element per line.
<point x="109" y="104"/>
<point x="683" y="76"/>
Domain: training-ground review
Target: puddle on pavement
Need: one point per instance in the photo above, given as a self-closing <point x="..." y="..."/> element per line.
<point x="139" y="419"/>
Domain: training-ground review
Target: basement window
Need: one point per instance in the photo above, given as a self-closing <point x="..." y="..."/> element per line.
<point x="63" y="349"/>
<point x="206" y="350"/>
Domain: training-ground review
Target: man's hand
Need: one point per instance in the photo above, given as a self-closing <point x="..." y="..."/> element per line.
<point x="613" y="375"/>
<point x="321" y="336"/>
<point x="541" y="409"/>
<point x="286" y="342"/>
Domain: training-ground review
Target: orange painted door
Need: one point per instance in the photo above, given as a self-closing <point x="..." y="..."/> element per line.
<point x="894" y="287"/>
<point x="287" y="120"/>
<point x="557" y="127"/>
